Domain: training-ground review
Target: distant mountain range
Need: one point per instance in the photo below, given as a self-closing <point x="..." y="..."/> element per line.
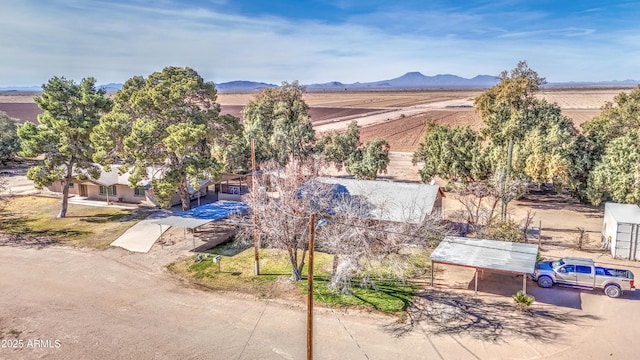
<point x="408" y="81"/>
<point x="413" y="80"/>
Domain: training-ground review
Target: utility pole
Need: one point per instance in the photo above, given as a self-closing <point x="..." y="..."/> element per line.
<point x="255" y="216"/>
<point x="310" y="290"/>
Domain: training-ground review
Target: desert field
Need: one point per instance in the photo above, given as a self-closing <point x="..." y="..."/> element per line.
<point x="398" y="116"/>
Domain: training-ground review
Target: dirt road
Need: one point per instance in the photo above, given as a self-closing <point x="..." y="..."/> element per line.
<point x="379" y="117"/>
<point x="112" y="304"/>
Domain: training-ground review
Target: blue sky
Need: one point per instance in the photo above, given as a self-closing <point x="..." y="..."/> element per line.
<point x="317" y="41"/>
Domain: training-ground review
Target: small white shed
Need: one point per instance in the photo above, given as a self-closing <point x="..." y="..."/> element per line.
<point x="621" y="230"/>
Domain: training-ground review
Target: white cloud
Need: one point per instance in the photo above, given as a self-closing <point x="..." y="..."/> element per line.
<point x="113" y="42"/>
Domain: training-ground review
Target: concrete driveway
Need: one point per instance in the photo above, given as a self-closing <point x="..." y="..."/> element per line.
<point x="141" y="236"/>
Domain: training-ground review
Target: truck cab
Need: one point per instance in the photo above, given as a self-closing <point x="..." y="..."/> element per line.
<point x="576" y="272"/>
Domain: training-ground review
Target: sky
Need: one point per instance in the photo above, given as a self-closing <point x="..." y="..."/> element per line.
<point x="316" y="41"/>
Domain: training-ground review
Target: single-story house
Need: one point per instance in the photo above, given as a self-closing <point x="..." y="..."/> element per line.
<point x="621" y="230"/>
<point x="112" y="186"/>
<point x="393" y="201"/>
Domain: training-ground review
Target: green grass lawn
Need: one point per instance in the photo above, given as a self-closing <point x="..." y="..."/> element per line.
<point x="237" y="274"/>
<point x="84" y="226"/>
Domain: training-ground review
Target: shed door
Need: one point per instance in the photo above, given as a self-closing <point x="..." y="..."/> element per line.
<point x="623" y="241"/>
<point x="635" y="242"/>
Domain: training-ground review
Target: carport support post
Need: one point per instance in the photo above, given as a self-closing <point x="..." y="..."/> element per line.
<point x="432" y="265"/>
<point x="476" y="290"/>
<point x="524" y="284"/>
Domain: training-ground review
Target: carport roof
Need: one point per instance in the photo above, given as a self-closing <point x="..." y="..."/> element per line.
<point x="485" y="254"/>
<point x="201" y="215"/>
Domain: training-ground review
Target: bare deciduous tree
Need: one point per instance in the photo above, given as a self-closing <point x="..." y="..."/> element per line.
<point x="582" y="237"/>
<point x="282" y="202"/>
<point x="361" y="241"/>
<point x="480" y="199"/>
<point x="526" y="223"/>
<point x="354" y="233"/>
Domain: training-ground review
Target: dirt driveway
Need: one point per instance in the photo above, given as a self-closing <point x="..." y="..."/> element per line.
<point x="118" y="305"/>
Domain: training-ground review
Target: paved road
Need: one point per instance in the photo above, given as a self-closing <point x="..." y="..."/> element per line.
<point x="118" y="305"/>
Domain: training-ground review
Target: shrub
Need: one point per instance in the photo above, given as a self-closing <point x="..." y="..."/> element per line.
<point x="523" y="301"/>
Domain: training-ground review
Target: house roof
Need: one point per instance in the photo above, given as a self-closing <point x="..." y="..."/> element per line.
<point x="391" y="201"/>
<point x="623" y="213"/>
<point x="487" y="254"/>
<point x="113" y="177"/>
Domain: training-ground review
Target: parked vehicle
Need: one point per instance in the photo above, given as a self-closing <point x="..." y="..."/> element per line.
<point x="582" y="273"/>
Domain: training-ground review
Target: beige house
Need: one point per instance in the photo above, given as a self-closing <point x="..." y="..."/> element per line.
<point x="112" y="187"/>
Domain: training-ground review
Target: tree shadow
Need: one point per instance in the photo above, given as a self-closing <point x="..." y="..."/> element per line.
<point x="121" y="216"/>
<point x="22" y="240"/>
<point x="385" y="291"/>
<point x="540" y="201"/>
<point x="20" y="227"/>
<point x="400" y="295"/>
<point x="508" y="285"/>
<point x="450" y="313"/>
<point x="230" y="248"/>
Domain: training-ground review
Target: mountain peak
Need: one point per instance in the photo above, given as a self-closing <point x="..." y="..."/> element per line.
<point x="413" y="74"/>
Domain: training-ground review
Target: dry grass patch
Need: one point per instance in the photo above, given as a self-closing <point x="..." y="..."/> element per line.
<point x="24" y="219"/>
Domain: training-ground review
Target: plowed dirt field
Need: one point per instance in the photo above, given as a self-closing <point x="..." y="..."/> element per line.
<point x="398" y="116"/>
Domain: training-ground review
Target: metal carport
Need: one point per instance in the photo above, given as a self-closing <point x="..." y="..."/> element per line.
<point x="201" y="215"/>
<point x="490" y="255"/>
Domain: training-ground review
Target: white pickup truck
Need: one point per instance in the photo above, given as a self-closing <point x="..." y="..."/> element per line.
<point x="583" y="273"/>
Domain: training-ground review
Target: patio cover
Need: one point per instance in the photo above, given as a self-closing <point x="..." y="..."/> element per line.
<point x="492" y="255"/>
<point x="201" y="215"/>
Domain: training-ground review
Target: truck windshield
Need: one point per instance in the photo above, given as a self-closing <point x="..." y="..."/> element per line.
<point x="557" y="264"/>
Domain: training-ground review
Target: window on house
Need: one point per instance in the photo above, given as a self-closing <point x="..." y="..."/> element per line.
<point x="138" y="191"/>
<point x="108" y="190"/>
<point x="71" y="185"/>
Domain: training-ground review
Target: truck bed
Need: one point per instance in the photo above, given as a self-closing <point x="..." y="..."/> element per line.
<point x="603" y="271"/>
